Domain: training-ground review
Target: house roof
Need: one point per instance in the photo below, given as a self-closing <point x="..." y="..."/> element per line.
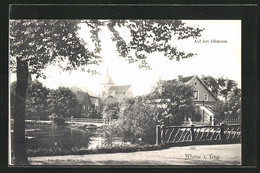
<point x="119" y="89"/>
<point x="183" y="79"/>
<point x="187" y="80"/>
<point x="117" y="92"/>
<point x="110" y="99"/>
<point x="94" y="100"/>
<point x="207" y="88"/>
<point x="74" y="89"/>
<point x="82" y="96"/>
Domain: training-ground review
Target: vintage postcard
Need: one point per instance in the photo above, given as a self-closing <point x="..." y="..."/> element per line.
<point x="125" y="92"/>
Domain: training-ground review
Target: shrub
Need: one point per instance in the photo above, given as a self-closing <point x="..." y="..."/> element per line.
<point x="59" y="121"/>
<point x="175" y="100"/>
<point x="197" y="116"/>
<point x="115" y="148"/>
<point x="137" y="120"/>
<point x="111" y="111"/>
<point x="62" y="102"/>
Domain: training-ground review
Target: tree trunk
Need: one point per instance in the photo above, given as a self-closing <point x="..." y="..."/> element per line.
<point x="19" y="113"/>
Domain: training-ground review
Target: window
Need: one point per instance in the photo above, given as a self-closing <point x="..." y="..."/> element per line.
<point x="196" y="95"/>
<point x="84" y="107"/>
<point x="206" y="97"/>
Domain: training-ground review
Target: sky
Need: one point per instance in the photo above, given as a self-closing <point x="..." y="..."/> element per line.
<point x="214" y="59"/>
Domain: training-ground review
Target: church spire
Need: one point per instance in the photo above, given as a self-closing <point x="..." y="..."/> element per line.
<point x="108" y="80"/>
<point x="107" y="83"/>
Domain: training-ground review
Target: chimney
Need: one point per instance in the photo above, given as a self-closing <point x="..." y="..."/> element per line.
<point x="179" y="77"/>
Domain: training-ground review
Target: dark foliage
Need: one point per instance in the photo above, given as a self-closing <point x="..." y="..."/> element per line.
<point x="175" y="100"/>
<point x="62" y="102"/>
<point x="59" y="121"/>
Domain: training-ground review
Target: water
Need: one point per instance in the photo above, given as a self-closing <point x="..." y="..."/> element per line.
<point x="47" y="135"/>
<point x="51" y="136"/>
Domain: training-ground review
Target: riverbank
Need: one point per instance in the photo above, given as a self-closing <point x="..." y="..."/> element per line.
<point x="120" y="147"/>
<point x="228" y="154"/>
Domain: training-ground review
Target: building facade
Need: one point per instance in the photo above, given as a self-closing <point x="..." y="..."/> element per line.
<point x="203" y="97"/>
<point x="87" y="104"/>
<point x="112" y="93"/>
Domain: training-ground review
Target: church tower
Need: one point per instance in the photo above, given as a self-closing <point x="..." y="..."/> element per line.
<point x="106" y="84"/>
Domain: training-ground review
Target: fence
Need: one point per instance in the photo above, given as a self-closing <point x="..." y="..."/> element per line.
<point x="229" y="121"/>
<point x="197" y="135"/>
<point x="90" y="120"/>
<point x="87" y="120"/>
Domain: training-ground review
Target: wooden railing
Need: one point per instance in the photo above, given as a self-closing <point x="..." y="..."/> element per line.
<point x="197" y="134"/>
<point x="229" y="121"/>
<point x="87" y="120"/>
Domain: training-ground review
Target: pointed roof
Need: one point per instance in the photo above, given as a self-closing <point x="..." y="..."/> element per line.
<point x="74" y="89"/>
<point x="209" y="90"/>
<point x="117" y="92"/>
<point x="119" y="89"/>
<point x="108" y="79"/>
<point x="82" y="96"/>
<point x="186" y="80"/>
<point x="183" y="79"/>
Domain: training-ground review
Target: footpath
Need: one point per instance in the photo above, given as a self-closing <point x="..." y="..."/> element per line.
<point x="228" y="154"/>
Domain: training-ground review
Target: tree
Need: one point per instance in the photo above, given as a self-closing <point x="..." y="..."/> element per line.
<point x="36" y="101"/>
<point x="221" y="87"/>
<point x="230" y="106"/>
<point x="176" y="99"/>
<point x="111" y="111"/>
<point x="230" y="109"/>
<point x="137" y="119"/>
<point x="12" y="98"/>
<point x="36" y="43"/>
<point x="234" y="103"/>
<point x="169" y="102"/>
<point x="62" y="102"/>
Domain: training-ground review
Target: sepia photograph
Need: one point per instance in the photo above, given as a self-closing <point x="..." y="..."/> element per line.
<point x="124" y="92"/>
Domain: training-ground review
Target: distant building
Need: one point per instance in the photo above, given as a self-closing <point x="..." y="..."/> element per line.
<point x="111" y="92"/>
<point x="87" y="103"/>
<point x="203" y="97"/>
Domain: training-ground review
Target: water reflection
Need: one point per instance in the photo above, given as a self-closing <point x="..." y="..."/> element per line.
<point x="51" y="136"/>
<point x="55" y="137"/>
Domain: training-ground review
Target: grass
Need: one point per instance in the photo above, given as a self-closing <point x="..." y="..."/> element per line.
<point x="116" y="148"/>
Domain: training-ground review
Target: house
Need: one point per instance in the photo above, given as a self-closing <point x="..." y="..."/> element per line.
<point x="111" y="92"/>
<point x="203" y="97"/>
<point x="85" y="105"/>
<point x="95" y="103"/>
<point x="87" y="102"/>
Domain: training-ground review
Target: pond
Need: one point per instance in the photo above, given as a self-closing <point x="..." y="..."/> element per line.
<point x="51" y="136"/>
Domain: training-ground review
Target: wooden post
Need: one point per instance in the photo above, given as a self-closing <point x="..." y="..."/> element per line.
<point x="222" y="131"/>
<point x="158" y="135"/>
<point x="162" y="134"/>
<point x="203" y="112"/>
<point x="213" y="121"/>
<point x="192" y="133"/>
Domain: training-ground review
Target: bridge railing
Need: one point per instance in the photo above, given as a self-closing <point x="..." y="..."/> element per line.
<point x="87" y="120"/>
<point x="197" y="134"/>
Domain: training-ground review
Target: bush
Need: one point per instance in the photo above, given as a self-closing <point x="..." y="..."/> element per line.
<point x="115" y="148"/>
<point x="62" y="102"/>
<point x="111" y="111"/>
<point x="176" y="101"/>
<point x="137" y="120"/>
<point x="197" y="116"/>
<point x="59" y="121"/>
